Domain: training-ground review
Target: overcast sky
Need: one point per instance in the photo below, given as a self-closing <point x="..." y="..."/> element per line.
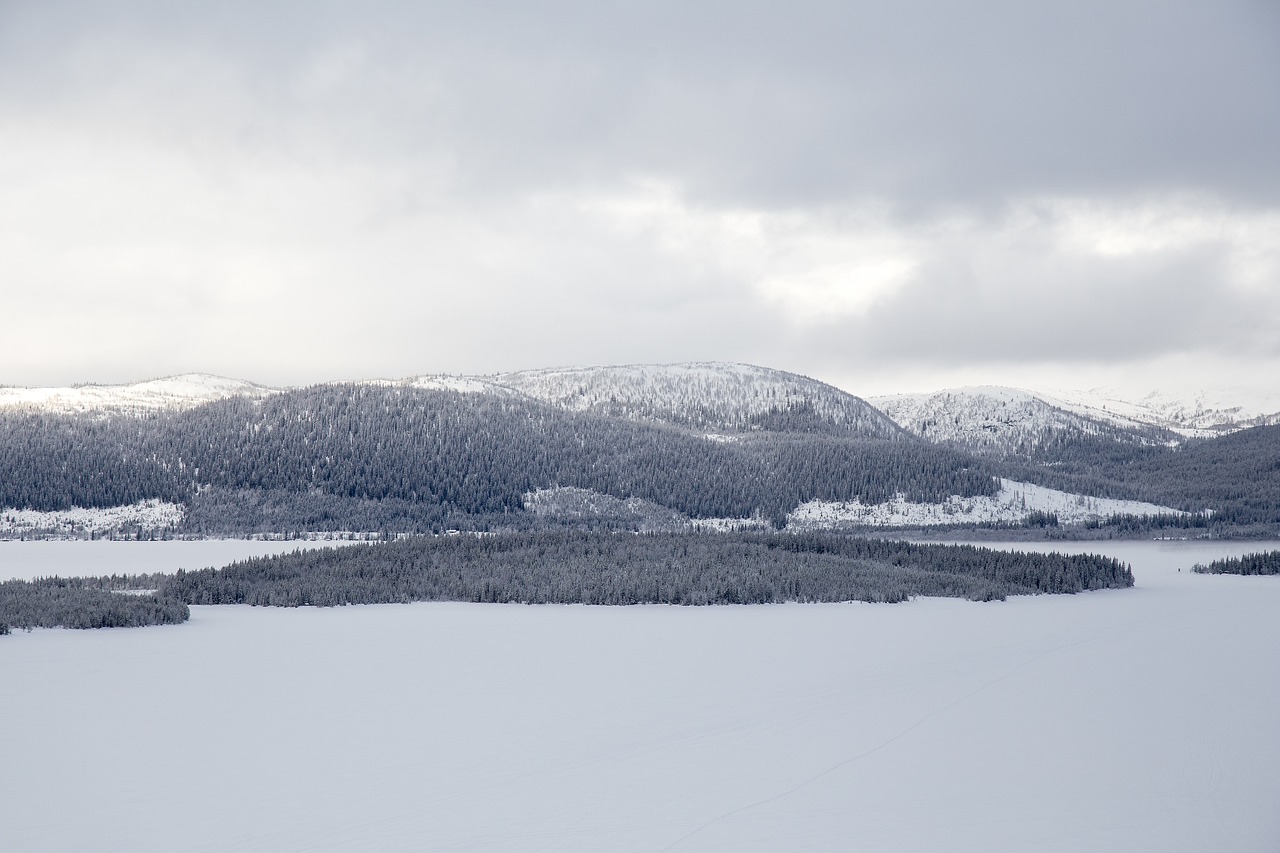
<point x="887" y="196"/>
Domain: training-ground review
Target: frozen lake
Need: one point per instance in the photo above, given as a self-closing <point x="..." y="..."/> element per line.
<point x="84" y="557"/>
<point x="1142" y="719"/>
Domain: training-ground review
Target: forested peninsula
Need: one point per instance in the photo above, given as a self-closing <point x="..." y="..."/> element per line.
<point x="1263" y="563"/>
<point x="569" y="567"/>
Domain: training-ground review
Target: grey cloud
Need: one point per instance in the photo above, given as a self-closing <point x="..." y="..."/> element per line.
<point x="436" y="123"/>
<point x="1063" y="310"/>
<point x="763" y="104"/>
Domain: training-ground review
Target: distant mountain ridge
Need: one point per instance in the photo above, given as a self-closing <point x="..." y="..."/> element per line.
<point x="717" y="397"/>
<point x="1000" y="421"/>
<point x="1205" y="414"/>
<point x="700" y="396"/>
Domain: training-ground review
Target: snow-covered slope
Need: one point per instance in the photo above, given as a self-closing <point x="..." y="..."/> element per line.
<point x="1012" y="505"/>
<point x="1004" y="420"/>
<point x="459" y="384"/>
<point x="185" y="391"/>
<point x="705" y="395"/>
<point x="1204" y="414"/>
<point x="147" y="516"/>
<point x="1001" y="420"/>
<point x="443" y="382"/>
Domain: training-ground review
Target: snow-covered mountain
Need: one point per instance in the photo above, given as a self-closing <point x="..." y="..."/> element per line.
<point x="185" y="391"/>
<point x="1014" y="420"/>
<point x="1205" y="414"/>
<point x="710" y="396"/>
<point x="993" y="419"/>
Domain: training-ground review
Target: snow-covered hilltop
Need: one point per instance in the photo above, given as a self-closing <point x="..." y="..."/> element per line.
<point x="458" y="384"/>
<point x="185" y="391"/>
<point x="1205" y="414"/>
<point x="705" y="395"/>
<point x="995" y="419"/>
<point x="1001" y="420"/>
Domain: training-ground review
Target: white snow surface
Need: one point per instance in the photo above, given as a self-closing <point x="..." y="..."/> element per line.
<point x="84" y="557"/>
<point x="1107" y="722"/>
<point x="174" y="392"/>
<point x="459" y="384"/>
<point x="1011" y="505"/>
<point x="149" y="515"/>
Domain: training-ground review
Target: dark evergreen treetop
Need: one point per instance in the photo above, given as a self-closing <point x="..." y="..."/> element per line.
<point x="1263" y="563"/>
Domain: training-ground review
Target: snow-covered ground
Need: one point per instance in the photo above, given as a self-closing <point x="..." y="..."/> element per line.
<point x="84" y="557"/>
<point x="459" y="384"/>
<point x="1107" y="722"/>
<point x="1011" y="505"/>
<point x="173" y="392"/>
<point x="150" y="515"/>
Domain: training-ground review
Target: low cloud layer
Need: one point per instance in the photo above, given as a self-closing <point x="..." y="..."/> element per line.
<point x="869" y="193"/>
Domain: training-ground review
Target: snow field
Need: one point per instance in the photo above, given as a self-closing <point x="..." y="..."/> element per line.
<point x="1011" y="506"/>
<point x="1141" y="719"/>
<point x="84" y="521"/>
<point x="93" y="558"/>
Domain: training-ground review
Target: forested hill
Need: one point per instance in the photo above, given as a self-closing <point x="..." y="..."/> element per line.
<point x="1235" y="477"/>
<point x="707" y="396"/>
<point x="473" y="452"/>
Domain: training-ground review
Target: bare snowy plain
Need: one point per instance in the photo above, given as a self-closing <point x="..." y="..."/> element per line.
<point x="1132" y="720"/>
<point x="31" y="559"/>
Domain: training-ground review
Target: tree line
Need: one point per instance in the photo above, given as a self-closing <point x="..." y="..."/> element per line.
<point x="1262" y="563"/>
